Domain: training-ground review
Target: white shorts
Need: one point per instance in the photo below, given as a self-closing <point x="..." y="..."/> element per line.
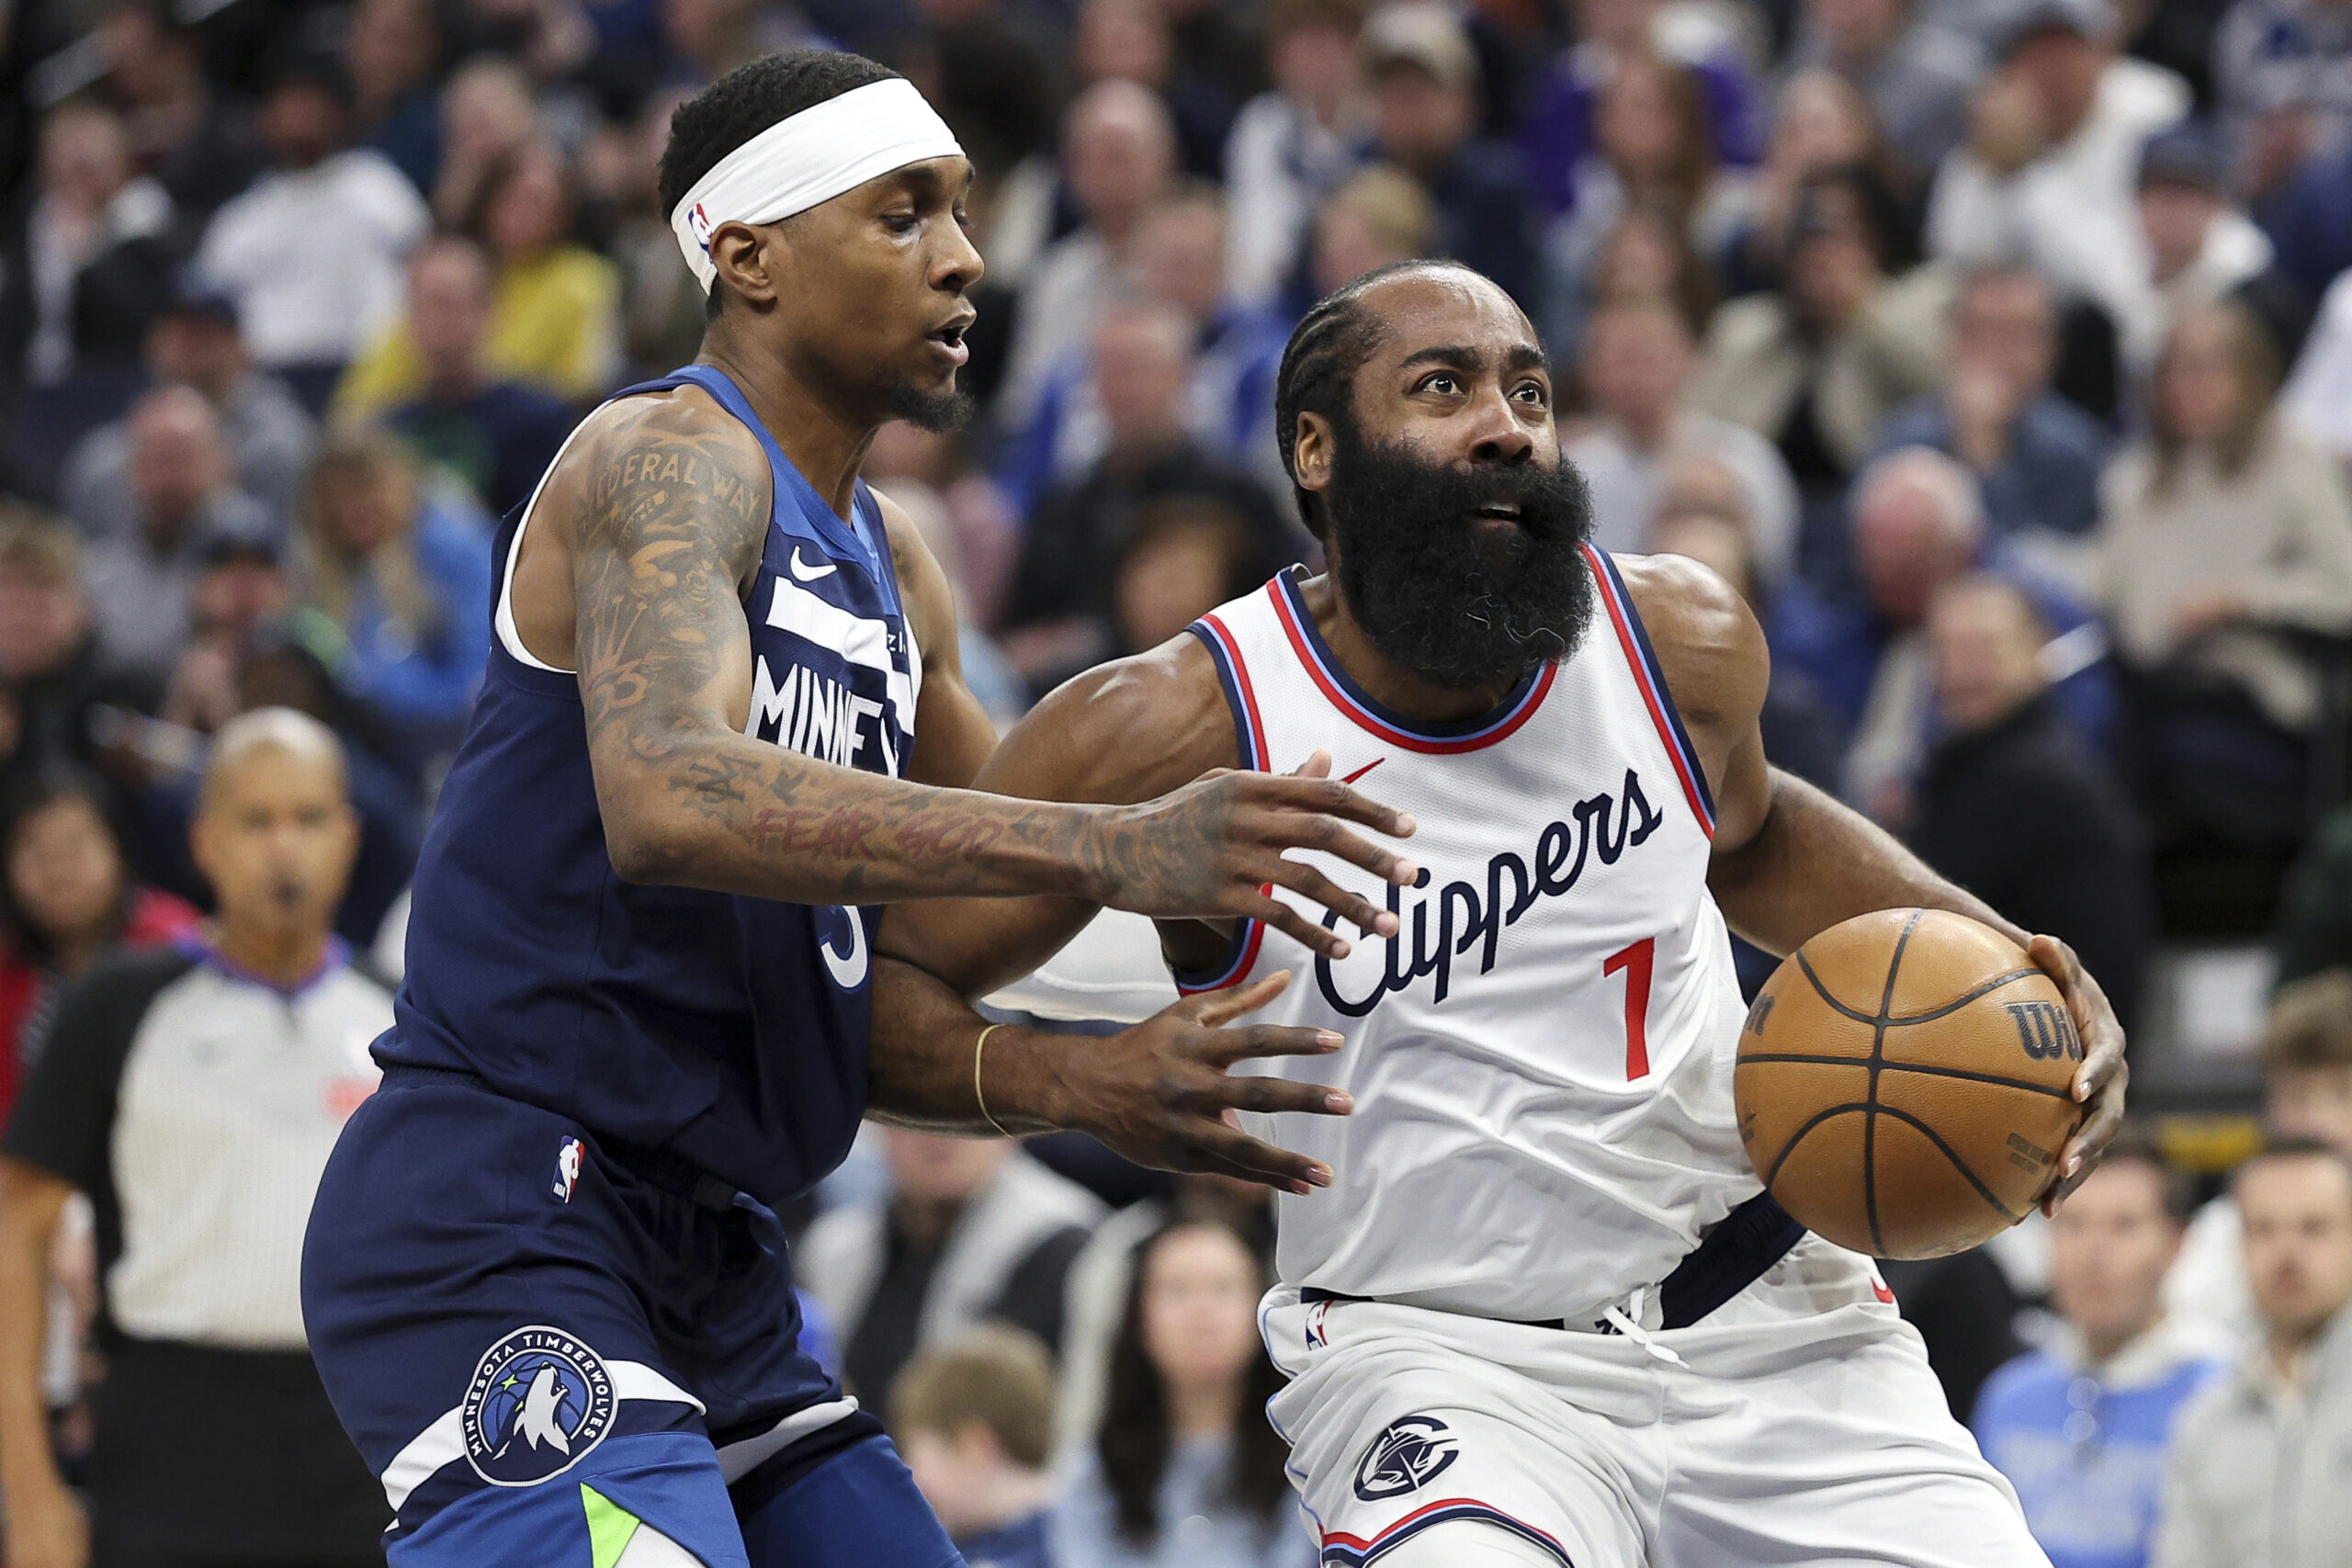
<point x="1806" y="1428"/>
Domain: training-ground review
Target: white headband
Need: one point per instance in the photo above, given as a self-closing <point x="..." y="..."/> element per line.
<point x="809" y="159"/>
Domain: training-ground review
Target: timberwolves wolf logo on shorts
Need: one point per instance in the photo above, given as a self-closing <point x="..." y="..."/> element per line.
<point x="1412" y="1452"/>
<point x="539" y="1401"/>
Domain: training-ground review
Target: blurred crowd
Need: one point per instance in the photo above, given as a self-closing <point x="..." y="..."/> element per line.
<point x="1998" y="351"/>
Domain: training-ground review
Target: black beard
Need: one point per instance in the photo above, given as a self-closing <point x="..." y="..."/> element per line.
<point x="1437" y="600"/>
<point x="934" y="412"/>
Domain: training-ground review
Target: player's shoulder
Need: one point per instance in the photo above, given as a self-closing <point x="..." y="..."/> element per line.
<point x="680" y="435"/>
<point x="1141" y="725"/>
<point x="1709" y="646"/>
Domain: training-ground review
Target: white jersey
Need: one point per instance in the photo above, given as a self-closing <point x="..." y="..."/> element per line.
<point x="1542" y="1058"/>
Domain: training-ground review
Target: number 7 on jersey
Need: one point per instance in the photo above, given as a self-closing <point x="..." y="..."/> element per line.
<point x="1636" y="961"/>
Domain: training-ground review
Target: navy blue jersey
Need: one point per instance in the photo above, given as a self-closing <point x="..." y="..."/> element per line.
<point x="730" y="1032"/>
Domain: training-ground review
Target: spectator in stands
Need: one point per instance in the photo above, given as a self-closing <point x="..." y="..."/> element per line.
<point x="193" y="1094"/>
<point x="1292" y="143"/>
<point x="1820" y="123"/>
<point x="1636" y="363"/>
<point x="1917" y="73"/>
<point x="2199" y="248"/>
<point x="662" y="305"/>
<point x="85" y="258"/>
<point x="487" y="115"/>
<point x="392" y="48"/>
<point x="1186" y="555"/>
<point x="2081" y="1426"/>
<point x="2315" y="908"/>
<point x="2047" y="172"/>
<point x="973" y="1417"/>
<point x="1650" y="152"/>
<point x="1228" y="403"/>
<point x="2225" y="532"/>
<point x="1184" y="1471"/>
<point x="195" y="342"/>
<point x="2037" y="457"/>
<point x="50" y="659"/>
<point x="314" y="251"/>
<point x="2306" y="1055"/>
<point x="2014" y="807"/>
<point x="242" y="588"/>
<point x="1558" y="129"/>
<point x="1378" y="216"/>
<point x="194" y="139"/>
<point x="1056" y="613"/>
<point x="405" y="572"/>
<point x="2257" y="1462"/>
<point x="180" y="477"/>
<point x="1425" y="78"/>
<point x="1815" y="367"/>
<point x="2283" y="71"/>
<point x="1132" y="41"/>
<point x="67" y="899"/>
<point x="971" y="1230"/>
<point x="1119" y="155"/>
<point x="555" y="322"/>
<point x="493" y="433"/>
<point x="1705" y="511"/>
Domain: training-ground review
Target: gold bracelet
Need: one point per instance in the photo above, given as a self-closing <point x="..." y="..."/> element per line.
<point x="978" y="1046"/>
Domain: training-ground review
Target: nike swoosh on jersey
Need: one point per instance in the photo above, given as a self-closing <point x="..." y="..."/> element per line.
<point x="803" y="572"/>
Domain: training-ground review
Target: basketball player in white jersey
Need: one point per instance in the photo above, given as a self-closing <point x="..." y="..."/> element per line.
<point x="1542" y="1312"/>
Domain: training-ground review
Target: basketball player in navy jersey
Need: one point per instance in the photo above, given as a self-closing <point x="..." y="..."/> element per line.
<point x="543" y="1281"/>
<point x="1535" y="1308"/>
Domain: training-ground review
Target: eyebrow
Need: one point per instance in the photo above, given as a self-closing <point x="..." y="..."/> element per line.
<point x="1522" y="356"/>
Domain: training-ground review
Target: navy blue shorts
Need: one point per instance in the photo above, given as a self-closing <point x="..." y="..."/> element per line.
<point x="543" y="1346"/>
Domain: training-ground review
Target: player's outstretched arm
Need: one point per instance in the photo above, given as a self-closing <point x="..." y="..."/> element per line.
<point x="1789" y="861"/>
<point x="667" y="534"/>
<point x="1158" y="1093"/>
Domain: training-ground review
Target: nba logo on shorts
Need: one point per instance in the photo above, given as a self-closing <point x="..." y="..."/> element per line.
<point x="570" y="1156"/>
<point x="1409" y="1454"/>
<point x="1316" y="1336"/>
<point x="537" y="1403"/>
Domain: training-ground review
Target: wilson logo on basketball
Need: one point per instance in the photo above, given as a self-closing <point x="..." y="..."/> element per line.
<point x="1408" y="1455"/>
<point x="2044" y="1030"/>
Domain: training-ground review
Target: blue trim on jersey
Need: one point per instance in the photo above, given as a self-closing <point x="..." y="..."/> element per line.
<point x="1653" y="676"/>
<point x="1338" y="682"/>
<point x="1241" y="947"/>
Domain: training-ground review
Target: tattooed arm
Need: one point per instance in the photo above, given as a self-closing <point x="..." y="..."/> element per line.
<point x="669" y="509"/>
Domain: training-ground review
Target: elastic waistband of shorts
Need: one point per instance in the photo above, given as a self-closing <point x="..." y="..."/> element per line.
<point x="671" y="1173"/>
<point x="1740" y="1250"/>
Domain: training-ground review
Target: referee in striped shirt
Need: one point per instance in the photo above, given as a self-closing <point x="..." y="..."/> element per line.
<point x="193" y="1093"/>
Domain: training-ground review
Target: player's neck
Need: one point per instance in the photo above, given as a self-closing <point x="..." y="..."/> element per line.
<point x="826" y="445"/>
<point x="1387" y="683"/>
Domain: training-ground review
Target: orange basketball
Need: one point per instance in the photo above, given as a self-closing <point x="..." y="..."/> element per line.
<point x="1905" y="1083"/>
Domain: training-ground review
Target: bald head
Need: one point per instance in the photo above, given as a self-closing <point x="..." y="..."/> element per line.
<point x="1919" y="518"/>
<point x="274" y="738"/>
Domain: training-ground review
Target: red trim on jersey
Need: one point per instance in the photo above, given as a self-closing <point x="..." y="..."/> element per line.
<point x="1618" y="613"/>
<point x="1340" y="1547"/>
<point x="1249" y="693"/>
<point x="1252" y="933"/>
<point x="1310" y="658"/>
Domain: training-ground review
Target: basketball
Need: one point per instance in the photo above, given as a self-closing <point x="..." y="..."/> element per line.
<point x="1905" y="1083"/>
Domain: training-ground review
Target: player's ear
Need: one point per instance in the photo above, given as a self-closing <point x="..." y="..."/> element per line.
<point x="1311" y="451"/>
<point x="748" y="261"/>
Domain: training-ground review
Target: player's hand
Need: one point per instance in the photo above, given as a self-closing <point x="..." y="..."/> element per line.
<point x="2098" y="1082"/>
<point x="1160" y="1093"/>
<point x="47" y="1528"/>
<point x="1213" y="849"/>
